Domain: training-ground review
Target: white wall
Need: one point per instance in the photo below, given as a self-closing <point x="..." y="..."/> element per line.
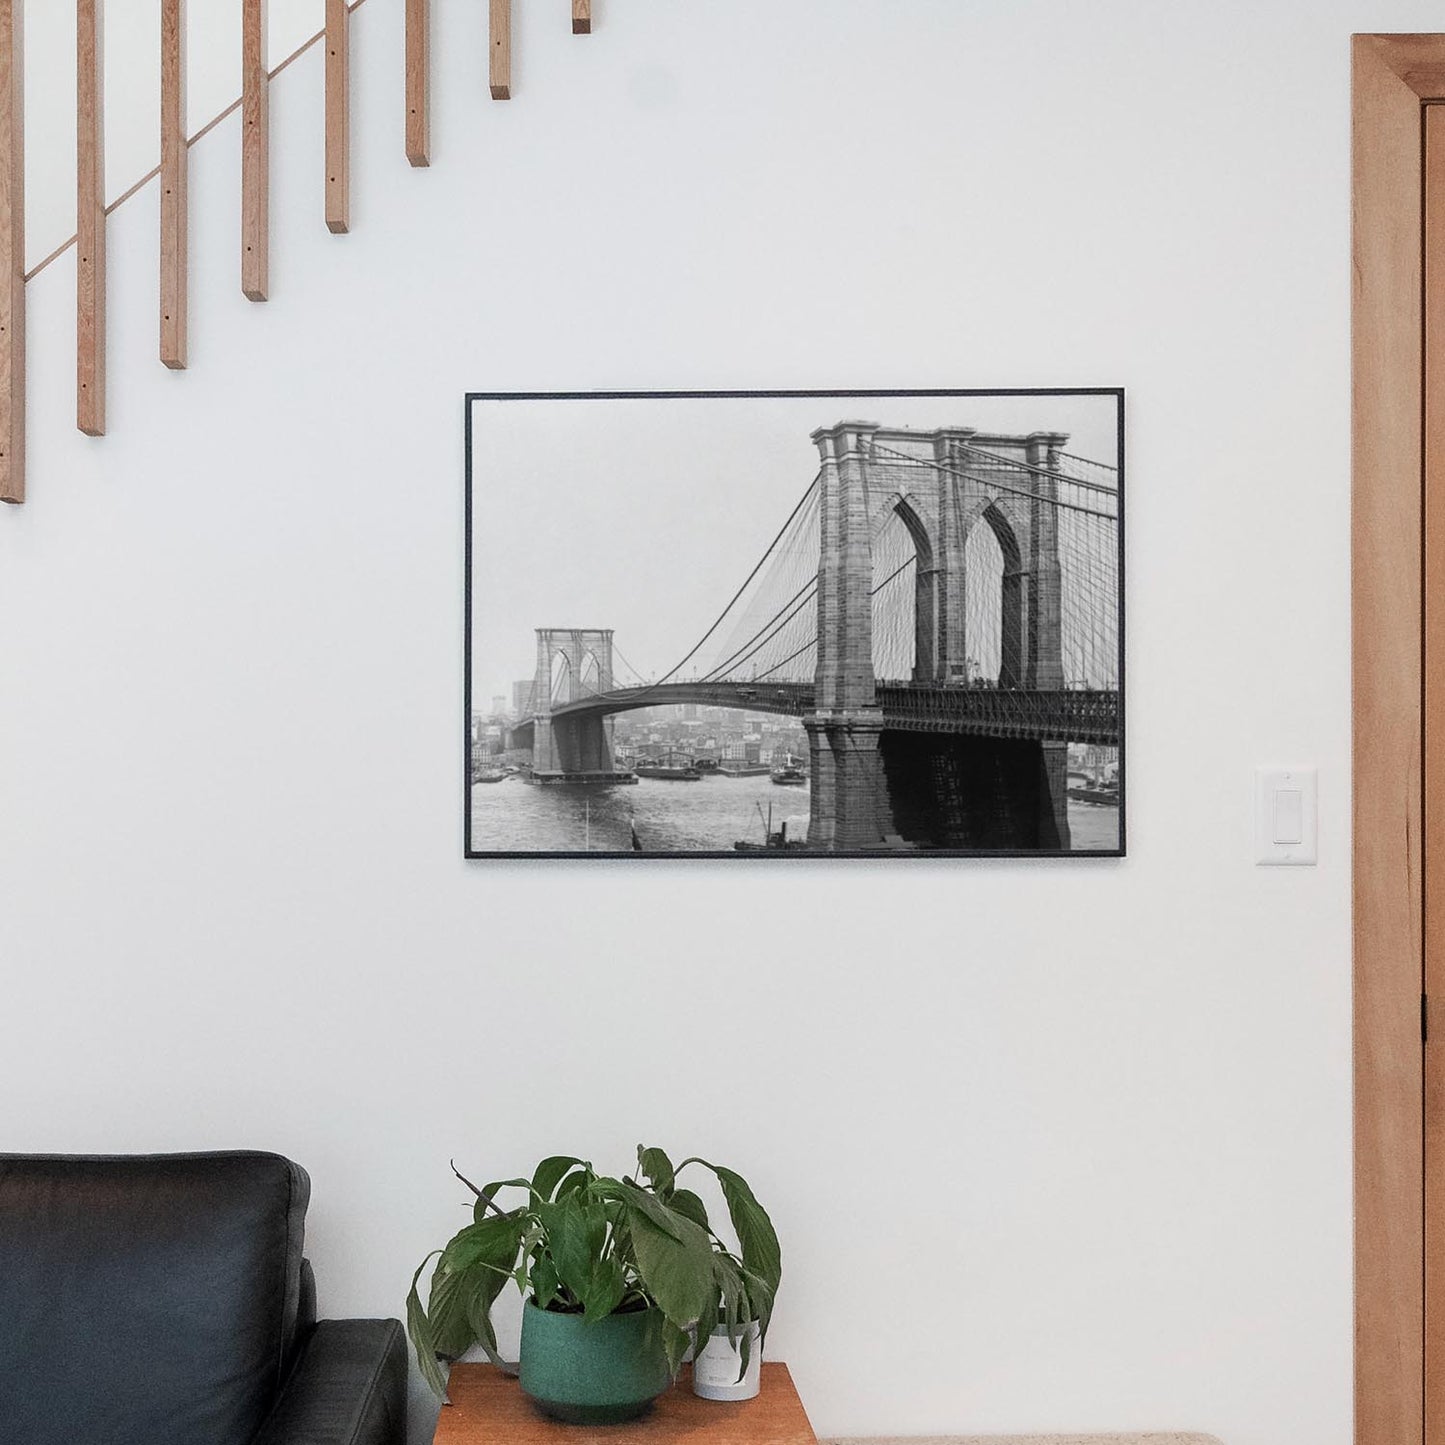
<point x="1048" y="1145"/>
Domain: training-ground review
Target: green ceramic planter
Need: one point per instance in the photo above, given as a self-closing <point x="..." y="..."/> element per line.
<point x="592" y="1374"/>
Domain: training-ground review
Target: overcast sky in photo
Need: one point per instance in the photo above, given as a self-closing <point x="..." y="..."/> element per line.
<point x="645" y="515"/>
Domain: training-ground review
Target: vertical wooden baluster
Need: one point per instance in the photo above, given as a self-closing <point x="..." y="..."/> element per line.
<point x="255" y="154"/>
<point x="582" y="17"/>
<point x="90" y="220"/>
<point x="1432" y="838"/>
<point x="174" y="237"/>
<point x="338" y="116"/>
<point x="500" y="65"/>
<point x="418" y="82"/>
<point x="12" y="252"/>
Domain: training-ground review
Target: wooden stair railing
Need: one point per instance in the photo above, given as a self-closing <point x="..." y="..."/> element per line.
<point x="89" y="219"/>
<point x="255" y="154"/>
<point x="91" y="209"/>
<point x="418" y="74"/>
<point x="338" y="117"/>
<point x="12" y="254"/>
<point x="175" y="227"/>
<point x="499" y="62"/>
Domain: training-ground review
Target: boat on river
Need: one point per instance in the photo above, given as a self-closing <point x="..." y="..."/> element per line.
<point x="1103" y="794"/>
<point x="671" y="767"/>
<point x="789" y="773"/>
<point x="779" y="841"/>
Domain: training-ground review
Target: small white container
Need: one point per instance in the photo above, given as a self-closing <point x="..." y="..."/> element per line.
<point x="716" y="1367"/>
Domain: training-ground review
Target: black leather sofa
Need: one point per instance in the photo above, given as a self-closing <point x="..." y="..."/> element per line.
<point x="164" y="1300"/>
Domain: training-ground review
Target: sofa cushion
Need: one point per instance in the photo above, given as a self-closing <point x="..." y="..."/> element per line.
<point x="146" y="1300"/>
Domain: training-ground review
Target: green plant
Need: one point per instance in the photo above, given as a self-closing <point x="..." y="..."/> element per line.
<point x="583" y="1243"/>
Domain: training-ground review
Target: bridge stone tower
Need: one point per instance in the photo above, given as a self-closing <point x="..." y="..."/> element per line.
<point x="847" y="809"/>
<point x="572" y="746"/>
<point x="941" y="485"/>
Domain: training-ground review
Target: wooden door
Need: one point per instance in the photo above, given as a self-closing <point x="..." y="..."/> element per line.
<point x="1398" y="409"/>
<point x="1433" y="728"/>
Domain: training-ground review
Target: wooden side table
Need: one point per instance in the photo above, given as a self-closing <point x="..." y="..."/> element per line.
<point x="489" y="1408"/>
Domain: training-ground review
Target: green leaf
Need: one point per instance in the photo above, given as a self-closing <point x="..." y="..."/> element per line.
<point x="622" y="1250"/>
<point x="687" y="1204"/>
<point x="479" y="1313"/>
<point x="638" y="1199"/>
<point x="745" y="1351"/>
<point x="576" y="1180"/>
<point x="460" y="1310"/>
<point x="469" y="1276"/>
<point x="756" y="1235"/>
<point x="595" y="1217"/>
<point x="419" y="1328"/>
<point x="706" y="1324"/>
<point x="485" y="1207"/>
<point x="494" y="1240"/>
<point x="676" y="1268"/>
<point x="674" y="1343"/>
<point x="657" y="1169"/>
<point x="605" y="1289"/>
<point x="550" y="1173"/>
<point x="447" y="1311"/>
<point x="568" y="1243"/>
<point x="739" y="1307"/>
<point x="544" y="1282"/>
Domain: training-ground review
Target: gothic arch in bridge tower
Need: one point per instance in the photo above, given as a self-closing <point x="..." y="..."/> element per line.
<point x="987" y="512"/>
<point x="925" y="617"/>
<point x="559" y="678"/>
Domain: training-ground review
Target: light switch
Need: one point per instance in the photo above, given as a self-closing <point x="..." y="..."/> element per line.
<point x="1286" y="815"/>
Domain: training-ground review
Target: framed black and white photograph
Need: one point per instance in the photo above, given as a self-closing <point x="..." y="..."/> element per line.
<point x="795" y="624"/>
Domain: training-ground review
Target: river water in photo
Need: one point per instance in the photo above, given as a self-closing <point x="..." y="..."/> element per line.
<point x="671" y="816"/>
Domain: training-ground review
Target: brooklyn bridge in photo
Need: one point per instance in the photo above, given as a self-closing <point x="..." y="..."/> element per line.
<point x="940" y="672"/>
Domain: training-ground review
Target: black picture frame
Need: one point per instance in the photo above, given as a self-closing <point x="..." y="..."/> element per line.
<point x="471" y="852"/>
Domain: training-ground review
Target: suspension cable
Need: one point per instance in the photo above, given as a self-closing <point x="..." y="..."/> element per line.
<point x="715" y="674"/>
<point x="934" y="466"/>
<point x="732" y="602"/>
<point x="1043" y="471"/>
<point x="1089" y="462"/>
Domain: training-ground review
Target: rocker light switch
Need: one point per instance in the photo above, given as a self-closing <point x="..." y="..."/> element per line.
<point x="1285" y="816"/>
<point x="1289" y="817"/>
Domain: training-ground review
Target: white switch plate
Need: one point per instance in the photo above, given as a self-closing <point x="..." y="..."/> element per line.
<point x="1286" y="816"/>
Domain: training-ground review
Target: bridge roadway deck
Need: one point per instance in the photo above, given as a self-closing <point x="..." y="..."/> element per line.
<point x="1073" y="715"/>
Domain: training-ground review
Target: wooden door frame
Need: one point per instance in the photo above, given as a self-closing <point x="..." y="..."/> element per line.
<point x="1392" y="77"/>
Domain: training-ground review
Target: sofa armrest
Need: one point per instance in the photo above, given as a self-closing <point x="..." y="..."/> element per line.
<point x="348" y="1388"/>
